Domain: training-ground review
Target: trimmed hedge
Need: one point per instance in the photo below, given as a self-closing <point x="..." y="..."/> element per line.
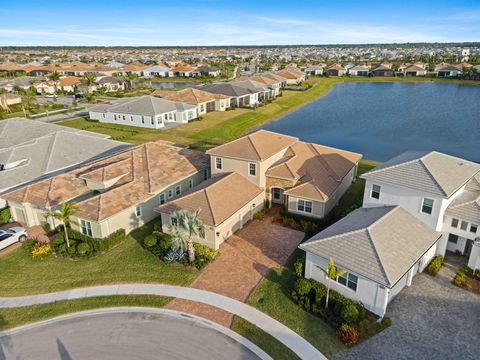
<point x="82" y="245"/>
<point x="5" y="215"/>
<point x="434" y="267"/>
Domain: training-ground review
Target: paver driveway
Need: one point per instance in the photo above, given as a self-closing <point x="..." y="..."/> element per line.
<point x="432" y="319"/>
<point x="243" y="260"/>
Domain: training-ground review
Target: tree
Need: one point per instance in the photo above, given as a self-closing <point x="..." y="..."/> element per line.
<point x="28" y="100"/>
<point x="331" y="273"/>
<point x="189" y="226"/>
<point x="55" y="77"/>
<point x="67" y="210"/>
<point x="49" y="214"/>
<point x="132" y="77"/>
<point x="89" y="80"/>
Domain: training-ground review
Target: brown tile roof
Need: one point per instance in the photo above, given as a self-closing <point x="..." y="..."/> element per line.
<point x="318" y="169"/>
<point x="69" y="80"/>
<point x="183" y="68"/>
<point x="189" y="96"/>
<point x="139" y="173"/>
<point x="211" y="198"/>
<point x="259" y="145"/>
<point x="263" y="79"/>
<point x="288" y="74"/>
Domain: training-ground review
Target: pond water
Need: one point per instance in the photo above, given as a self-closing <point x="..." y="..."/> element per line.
<point x="172" y="85"/>
<point x="382" y="120"/>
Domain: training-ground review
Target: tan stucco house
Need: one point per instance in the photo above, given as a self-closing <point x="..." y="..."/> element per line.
<point x="117" y="192"/>
<point x="307" y="178"/>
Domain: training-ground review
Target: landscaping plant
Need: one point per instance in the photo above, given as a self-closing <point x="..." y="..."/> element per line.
<point x="331" y="272"/>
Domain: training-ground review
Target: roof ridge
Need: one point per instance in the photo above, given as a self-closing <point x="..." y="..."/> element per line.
<point x="50" y="151"/>
<point x="382" y="267"/>
<point x="373" y="171"/>
<point x="210" y="205"/>
<point x="431" y="175"/>
<point x="393" y="208"/>
<point x="314" y="241"/>
<point x="253" y="145"/>
<point x="149" y="180"/>
<point x="50" y="186"/>
<point x="325" y="163"/>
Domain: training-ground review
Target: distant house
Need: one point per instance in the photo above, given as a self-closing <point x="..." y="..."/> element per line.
<point x="239" y="95"/>
<point x="183" y="71"/>
<point x="109" y="83"/>
<point x="36" y="70"/>
<point x="261" y="89"/>
<point x="144" y="111"/>
<point x="292" y="76"/>
<point x="448" y="71"/>
<point x="206" y="71"/>
<point x="157" y="71"/>
<point x="46" y="87"/>
<point x="273" y="84"/>
<point x="359" y="70"/>
<point x="280" y="79"/>
<point x="69" y="83"/>
<point x="314" y="70"/>
<point x="382" y="70"/>
<point x="335" y="70"/>
<point x="23" y="82"/>
<point x="414" y="70"/>
<point x="203" y="100"/>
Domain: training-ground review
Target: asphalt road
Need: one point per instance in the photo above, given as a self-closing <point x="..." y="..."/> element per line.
<point x="118" y="336"/>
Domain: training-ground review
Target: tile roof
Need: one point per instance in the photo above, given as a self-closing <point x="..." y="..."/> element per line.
<point x="210" y="197"/>
<point x="428" y="171"/>
<point x="318" y="169"/>
<point x="190" y="96"/>
<point x="228" y="89"/>
<point x="259" y="145"/>
<point x="69" y="80"/>
<point x="132" y="176"/>
<point x="466" y="206"/>
<point x="380" y="243"/>
<point x="287" y="74"/>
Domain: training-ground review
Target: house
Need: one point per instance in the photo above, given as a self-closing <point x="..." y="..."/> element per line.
<point x="118" y="192"/>
<point x="239" y="95"/>
<point x="273" y="84"/>
<point x="9" y="99"/>
<point x="36" y="70"/>
<point x="279" y="79"/>
<point x="383" y="70"/>
<point x="448" y="71"/>
<point x="380" y="248"/>
<point x="359" y="70"/>
<point x="438" y="189"/>
<point x="133" y="68"/>
<point x="32" y="150"/>
<point x="46" y="87"/>
<point x="69" y="83"/>
<point x="158" y="71"/>
<point x="23" y="82"/>
<point x="308" y="179"/>
<point x="314" y="70"/>
<point x="109" y="83"/>
<point x="261" y="90"/>
<point x="203" y="100"/>
<point x="183" y="71"/>
<point x="226" y="202"/>
<point x="335" y="70"/>
<point x="206" y="71"/>
<point x="414" y="70"/>
<point x="144" y="111"/>
<point x="292" y="76"/>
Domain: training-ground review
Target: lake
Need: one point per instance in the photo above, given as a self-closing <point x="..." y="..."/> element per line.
<point x="172" y="85"/>
<point x="382" y="120"/>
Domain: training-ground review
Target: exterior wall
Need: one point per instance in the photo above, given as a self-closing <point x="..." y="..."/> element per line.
<point x="463" y="235"/>
<point x="318" y="208"/>
<point x="342" y="188"/>
<point x="272" y="182"/>
<point x="474" y="260"/>
<point x="132" y="119"/>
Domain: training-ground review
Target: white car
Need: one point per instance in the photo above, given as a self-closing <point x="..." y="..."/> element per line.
<point x="49" y="96"/>
<point x="11" y="236"/>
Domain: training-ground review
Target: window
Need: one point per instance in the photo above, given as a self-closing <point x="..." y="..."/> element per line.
<point x="170" y="193"/>
<point x="190" y="183"/>
<point x="375" y="194"/>
<point x="138" y="211"/>
<point x="276" y="193"/>
<point x="178" y="189"/>
<point x="161" y="198"/>
<point x="143" y="120"/>
<point x="103" y="115"/>
<point x="131" y="118"/>
<point x="86" y="227"/>
<point x="218" y="163"/>
<point x="304" y="206"/>
<point x="202" y="108"/>
<point x="473" y="228"/>
<point x="349" y="280"/>
<point x="152" y="121"/>
<point x="252" y="169"/>
<point x="174" y="221"/>
<point x="123" y="117"/>
<point x="452" y="238"/>
<point x="454" y="223"/>
<point x="427" y="206"/>
<point x="464" y="225"/>
<point x="114" y="117"/>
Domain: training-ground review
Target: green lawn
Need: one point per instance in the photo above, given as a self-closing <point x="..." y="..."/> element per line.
<point x="10" y="318"/>
<point x="128" y="262"/>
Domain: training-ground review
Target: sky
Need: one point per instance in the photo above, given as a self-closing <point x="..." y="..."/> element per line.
<point x="218" y="22"/>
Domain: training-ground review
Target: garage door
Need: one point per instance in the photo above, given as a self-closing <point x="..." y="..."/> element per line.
<point x="20" y="216"/>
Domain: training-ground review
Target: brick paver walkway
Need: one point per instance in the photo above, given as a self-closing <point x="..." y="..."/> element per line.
<point x="243" y="260"/>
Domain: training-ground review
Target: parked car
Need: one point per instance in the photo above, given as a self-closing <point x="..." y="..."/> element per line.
<point x="11" y="236"/>
<point x="49" y="96"/>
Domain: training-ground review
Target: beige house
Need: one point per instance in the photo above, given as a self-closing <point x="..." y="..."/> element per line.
<point x="117" y="192"/>
<point x="226" y="202"/>
<point x="308" y="179"/>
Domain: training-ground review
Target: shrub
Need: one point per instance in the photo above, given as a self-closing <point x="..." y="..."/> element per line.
<point x="203" y="255"/>
<point x="260" y="215"/>
<point x="47" y="227"/>
<point x="150" y="241"/>
<point x="299" y="265"/>
<point x="309" y="228"/>
<point x="83" y="249"/>
<point x="303" y="287"/>
<point x="434" y="265"/>
<point x="347" y="334"/>
<point x="28" y="246"/>
<point x="5" y="215"/>
<point x="40" y="250"/>
<point x="71" y="250"/>
<point x="460" y="280"/>
<point x="174" y="255"/>
<point x="350" y="313"/>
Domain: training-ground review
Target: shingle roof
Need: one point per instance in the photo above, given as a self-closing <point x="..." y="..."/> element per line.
<point x="380" y="243"/>
<point x="428" y="171"/>
<point x="210" y="197"/>
<point x="190" y="96"/>
<point x="133" y="176"/>
<point x="259" y="145"/>
<point x="226" y="89"/>
<point x="466" y="206"/>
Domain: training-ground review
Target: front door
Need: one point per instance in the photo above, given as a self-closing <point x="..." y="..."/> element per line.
<point x="468" y="247"/>
<point x="277" y="195"/>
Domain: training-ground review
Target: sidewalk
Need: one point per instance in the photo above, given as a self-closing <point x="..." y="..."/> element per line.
<point x="276" y="329"/>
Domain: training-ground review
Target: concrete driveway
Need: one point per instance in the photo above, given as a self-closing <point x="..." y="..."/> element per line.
<point x="432" y="319"/>
<point x="118" y="336"/>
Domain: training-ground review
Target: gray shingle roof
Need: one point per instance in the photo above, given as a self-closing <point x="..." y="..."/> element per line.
<point x="466" y="207"/>
<point x="226" y="89"/>
<point x="380" y="243"/>
<point x="428" y="171"/>
<point x="43" y="148"/>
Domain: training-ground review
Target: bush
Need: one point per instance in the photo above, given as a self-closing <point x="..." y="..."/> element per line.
<point x="174" y="255"/>
<point x="347" y="334"/>
<point x="203" y="255"/>
<point x="150" y="241"/>
<point x="40" y="250"/>
<point x="71" y="250"/>
<point x="309" y="228"/>
<point x="5" y="215"/>
<point x="47" y="227"/>
<point x="83" y="249"/>
<point x="350" y="313"/>
<point x="299" y="266"/>
<point x="260" y="215"/>
<point x="460" y="280"/>
<point x="303" y="287"/>
<point x="435" y="265"/>
<point x="28" y="246"/>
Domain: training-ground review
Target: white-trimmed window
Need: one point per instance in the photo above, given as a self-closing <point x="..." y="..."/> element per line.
<point x="190" y="183"/>
<point x="473" y="228"/>
<point x="464" y="225"/>
<point x="161" y="198"/>
<point x="178" y="190"/>
<point x="138" y="210"/>
<point x="86" y="227"/>
<point x="349" y="280"/>
<point x="170" y="193"/>
<point x="218" y="163"/>
<point x="375" y="193"/>
<point x="304" y="206"/>
<point x="427" y="206"/>
<point x="276" y="193"/>
<point x="174" y="221"/>
<point x="252" y="169"/>
<point x="454" y="223"/>
<point x="452" y="238"/>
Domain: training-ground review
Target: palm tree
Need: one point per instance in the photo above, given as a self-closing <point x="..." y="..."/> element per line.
<point x="189" y="226"/>
<point x="331" y="273"/>
<point x="54" y="76"/>
<point x="67" y="210"/>
<point x="49" y="214"/>
<point x="132" y="77"/>
<point x="89" y="80"/>
<point x="28" y="100"/>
